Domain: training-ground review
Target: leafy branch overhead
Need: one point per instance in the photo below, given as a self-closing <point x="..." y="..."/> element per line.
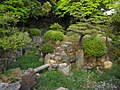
<point x="84" y="8"/>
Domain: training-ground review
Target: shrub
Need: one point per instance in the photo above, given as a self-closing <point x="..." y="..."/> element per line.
<point x="47" y="48"/>
<point x="53" y="35"/>
<point x="94" y="46"/>
<point x="29" y="60"/>
<point x="34" y="32"/>
<point x="57" y="27"/>
<point x="15" y="41"/>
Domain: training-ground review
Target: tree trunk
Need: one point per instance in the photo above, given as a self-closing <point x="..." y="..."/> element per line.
<point x="80" y="40"/>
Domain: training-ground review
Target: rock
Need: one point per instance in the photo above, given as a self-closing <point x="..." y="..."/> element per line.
<point x="80" y="58"/>
<point x="65" y="70"/>
<point x="108" y="39"/>
<point x="62" y="65"/>
<point x="28" y="81"/>
<point x="12" y="86"/>
<point x="62" y="88"/>
<point x="69" y="49"/>
<point x="54" y="65"/>
<point x="68" y="43"/>
<point x="57" y="54"/>
<point x="64" y="46"/>
<point x="59" y="49"/>
<point x="64" y="57"/>
<point x="107" y="64"/>
<point x="47" y="58"/>
<point x="63" y="53"/>
<point x="51" y="62"/>
<point x="57" y="42"/>
<point x="103" y="59"/>
<point x="56" y="58"/>
<point x="52" y="56"/>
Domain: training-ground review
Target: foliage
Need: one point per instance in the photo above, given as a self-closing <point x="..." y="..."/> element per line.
<point x="47" y="48"/>
<point x="114" y="48"/>
<point x="53" y="35"/>
<point x="37" y="9"/>
<point x="94" y="46"/>
<point x="83" y="79"/>
<point x="15" y="8"/>
<point x="57" y="27"/>
<point x="71" y="37"/>
<point x="116" y="20"/>
<point x="34" y="32"/>
<point x="15" y="41"/>
<point x="83" y="8"/>
<point x="29" y="60"/>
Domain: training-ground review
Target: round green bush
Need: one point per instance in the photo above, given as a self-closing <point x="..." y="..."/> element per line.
<point x="47" y="48"/>
<point x="94" y="46"/>
<point x="34" y="31"/>
<point x="53" y="35"/>
<point x="57" y="27"/>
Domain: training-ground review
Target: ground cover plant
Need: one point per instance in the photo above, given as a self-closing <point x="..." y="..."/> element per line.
<point x="80" y="80"/>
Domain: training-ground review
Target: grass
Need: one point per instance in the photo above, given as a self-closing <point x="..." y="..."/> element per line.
<point x="29" y="60"/>
<point x="79" y="80"/>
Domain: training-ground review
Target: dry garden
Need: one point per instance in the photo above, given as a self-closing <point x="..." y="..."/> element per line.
<point x="59" y="45"/>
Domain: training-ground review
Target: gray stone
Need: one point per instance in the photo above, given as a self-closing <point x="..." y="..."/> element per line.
<point x="57" y="53"/>
<point x="62" y="65"/>
<point x="64" y="46"/>
<point x="12" y="86"/>
<point x="47" y="58"/>
<point x="80" y="58"/>
<point x="68" y="43"/>
<point x="64" y="56"/>
<point x="65" y="70"/>
<point x="57" y="58"/>
<point x="59" y="49"/>
<point x="52" y="56"/>
<point x="69" y="49"/>
<point x="63" y="53"/>
<point x="62" y="88"/>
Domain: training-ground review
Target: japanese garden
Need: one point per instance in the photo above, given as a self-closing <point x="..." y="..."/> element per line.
<point x="59" y="44"/>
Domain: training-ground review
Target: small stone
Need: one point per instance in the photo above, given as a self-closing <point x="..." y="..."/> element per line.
<point x="64" y="46"/>
<point x="62" y="88"/>
<point x="59" y="49"/>
<point x="63" y="53"/>
<point x="107" y="64"/>
<point x="68" y="43"/>
<point x="52" y="56"/>
<point x="62" y="65"/>
<point x="47" y="57"/>
<point x="54" y="65"/>
<point x="56" y="58"/>
<point x="57" y="53"/>
<point x="52" y="62"/>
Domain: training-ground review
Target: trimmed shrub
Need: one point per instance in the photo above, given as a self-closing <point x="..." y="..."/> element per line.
<point x="94" y="46"/>
<point x="57" y="27"/>
<point x="53" y="35"/>
<point x="47" y="48"/>
<point x="34" y="32"/>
